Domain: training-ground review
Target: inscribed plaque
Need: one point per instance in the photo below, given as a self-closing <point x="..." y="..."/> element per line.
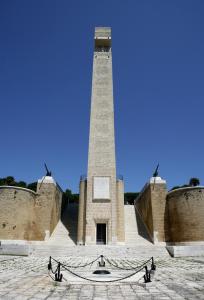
<point x="101" y="188"/>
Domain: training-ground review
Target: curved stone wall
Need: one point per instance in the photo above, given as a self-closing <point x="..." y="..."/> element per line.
<point x="17" y="220"/>
<point x="186" y="214"/>
<point x="29" y="215"/>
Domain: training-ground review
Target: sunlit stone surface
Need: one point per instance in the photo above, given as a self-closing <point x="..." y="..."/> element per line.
<point x="27" y="278"/>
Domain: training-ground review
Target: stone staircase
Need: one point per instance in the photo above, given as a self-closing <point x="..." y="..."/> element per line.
<point x="63" y="240"/>
<point x="65" y="233"/>
<point x="138" y="252"/>
<point x="135" y="231"/>
<point x="137" y="236"/>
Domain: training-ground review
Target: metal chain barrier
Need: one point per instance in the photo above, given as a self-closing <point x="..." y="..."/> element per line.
<point x="94" y="280"/>
<point x="79" y="266"/>
<point x="129" y="269"/>
<point x="59" y="276"/>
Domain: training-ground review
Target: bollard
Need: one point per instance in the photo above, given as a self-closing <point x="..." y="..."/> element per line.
<point x="147" y="276"/>
<point x="49" y="266"/>
<point x="153" y="266"/>
<point x="102" y="262"/>
<point x="58" y="276"/>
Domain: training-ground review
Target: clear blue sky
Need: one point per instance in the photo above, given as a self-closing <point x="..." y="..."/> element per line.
<point x="46" y="50"/>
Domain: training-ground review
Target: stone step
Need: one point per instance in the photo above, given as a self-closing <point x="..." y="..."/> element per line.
<point x="109" y="251"/>
<point x="65" y="233"/>
<point x="133" y="236"/>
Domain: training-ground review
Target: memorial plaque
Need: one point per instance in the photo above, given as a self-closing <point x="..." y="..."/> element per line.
<point x="101" y="188"/>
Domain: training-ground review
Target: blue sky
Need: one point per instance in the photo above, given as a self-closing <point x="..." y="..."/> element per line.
<point x="46" y="50"/>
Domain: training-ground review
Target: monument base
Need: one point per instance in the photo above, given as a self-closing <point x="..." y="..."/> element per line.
<point x="186" y="249"/>
<point x="12" y="247"/>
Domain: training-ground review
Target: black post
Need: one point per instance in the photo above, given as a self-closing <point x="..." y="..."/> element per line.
<point x="153" y="266"/>
<point x="102" y="262"/>
<point x="147" y="276"/>
<point x="58" y="276"/>
<point x="49" y="264"/>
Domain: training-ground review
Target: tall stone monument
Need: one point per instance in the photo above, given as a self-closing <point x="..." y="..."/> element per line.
<point x="101" y="207"/>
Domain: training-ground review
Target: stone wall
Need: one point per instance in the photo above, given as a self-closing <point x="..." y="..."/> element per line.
<point x="102" y="210"/>
<point x="17" y="214"/>
<point x="151" y="205"/>
<point x="120" y="212"/>
<point x="144" y="206"/>
<point x="48" y="208"/>
<point x="82" y="213"/>
<point x="29" y="215"/>
<point x="186" y="214"/>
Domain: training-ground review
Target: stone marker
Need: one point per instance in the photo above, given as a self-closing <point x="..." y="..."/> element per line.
<point x="101" y="211"/>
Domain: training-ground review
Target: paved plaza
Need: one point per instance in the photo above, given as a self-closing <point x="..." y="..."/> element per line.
<point x="27" y="278"/>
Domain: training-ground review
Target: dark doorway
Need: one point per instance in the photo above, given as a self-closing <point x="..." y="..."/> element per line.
<point x="101" y="234"/>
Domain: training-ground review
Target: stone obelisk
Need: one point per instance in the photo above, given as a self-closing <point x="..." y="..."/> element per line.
<point x="101" y="216"/>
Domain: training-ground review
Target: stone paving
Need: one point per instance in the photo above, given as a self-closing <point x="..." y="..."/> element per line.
<point x="27" y="278"/>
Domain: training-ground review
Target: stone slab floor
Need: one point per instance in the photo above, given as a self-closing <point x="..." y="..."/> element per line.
<point x="27" y="278"/>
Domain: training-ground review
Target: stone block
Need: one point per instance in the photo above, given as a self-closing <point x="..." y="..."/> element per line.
<point x="185" y="250"/>
<point x="17" y="248"/>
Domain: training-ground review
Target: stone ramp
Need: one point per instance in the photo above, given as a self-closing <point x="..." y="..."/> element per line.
<point x="65" y="233"/>
<point x="135" y="231"/>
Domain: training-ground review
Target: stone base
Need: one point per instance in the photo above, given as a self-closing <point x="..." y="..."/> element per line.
<point x="8" y="247"/>
<point x="185" y="250"/>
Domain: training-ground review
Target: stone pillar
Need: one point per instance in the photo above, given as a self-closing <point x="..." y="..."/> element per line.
<point x="48" y="204"/>
<point x="101" y="198"/>
<point x="151" y="205"/>
<point x="120" y="212"/>
<point x="158" y="201"/>
<point x="82" y="212"/>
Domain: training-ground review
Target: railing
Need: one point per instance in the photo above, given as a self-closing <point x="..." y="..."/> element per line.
<point x="58" y="276"/>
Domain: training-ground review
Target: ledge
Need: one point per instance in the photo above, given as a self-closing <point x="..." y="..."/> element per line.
<point x="186" y="189"/>
<point x="47" y="179"/>
<point x="17" y="188"/>
<point x="152" y="180"/>
<point x="187" y="250"/>
<point x="156" y="180"/>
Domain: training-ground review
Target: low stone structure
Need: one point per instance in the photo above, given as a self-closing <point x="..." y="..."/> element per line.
<point x="185" y="207"/>
<point x="29" y="215"/>
<point x="175" y="217"/>
<point x="150" y="204"/>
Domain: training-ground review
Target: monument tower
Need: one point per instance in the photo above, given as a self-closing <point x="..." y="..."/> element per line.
<point x="101" y="207"/>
